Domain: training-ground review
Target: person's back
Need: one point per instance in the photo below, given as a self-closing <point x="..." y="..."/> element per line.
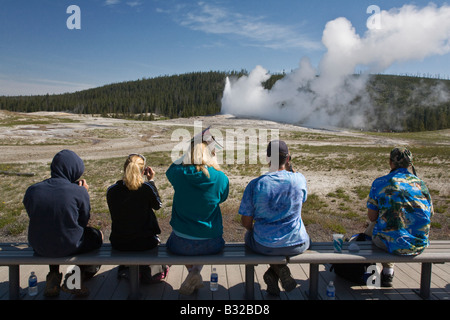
<point x="131" y="202"/>
<point x="275" y="200"/>
<point x="399" y="208"/>
<point x="59" y="212"/>
<point x="271" y="212"/>
<point x="196" y="210"/>
<point x="197" y="228"/>
<point x="405" y="210"/>
<point x="58" y="208"/>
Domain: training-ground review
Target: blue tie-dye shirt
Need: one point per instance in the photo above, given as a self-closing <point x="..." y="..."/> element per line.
<point x="404" y="211"/>
<point x="275" y="202"/>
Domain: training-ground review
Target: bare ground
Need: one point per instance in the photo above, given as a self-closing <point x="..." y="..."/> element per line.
<point x="29" y="141"/>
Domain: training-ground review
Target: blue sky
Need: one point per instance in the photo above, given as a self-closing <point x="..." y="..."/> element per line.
<point x="123" y="40"/>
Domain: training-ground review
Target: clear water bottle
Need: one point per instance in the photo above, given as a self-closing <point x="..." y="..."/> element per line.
<point x="331" y="291"/>
<point x="32" y="284"/>
<point x="214" y="283"/>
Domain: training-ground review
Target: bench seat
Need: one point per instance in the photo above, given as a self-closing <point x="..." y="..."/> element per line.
<point x="323" y="253"/>
<point x="16" y="254"/>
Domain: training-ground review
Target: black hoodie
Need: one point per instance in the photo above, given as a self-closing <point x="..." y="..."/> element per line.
<point x="59" y="209"/>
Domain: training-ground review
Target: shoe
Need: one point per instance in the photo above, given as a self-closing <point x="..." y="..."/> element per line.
<point x="287" y="282"/>
<point x="192" y="282"/>
<point x="52" y="284"/>
<point x="145" y="274"/>
<point x="123" y="272"/>
<point x="88" y="272"/>
<point x="81" y="292"/>
<point x="153" y="274"/>
<point x="386" y="280"/>
<point x="271" y="279"/>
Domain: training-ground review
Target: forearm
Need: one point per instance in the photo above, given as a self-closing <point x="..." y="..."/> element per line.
<point x="247" y="222"/>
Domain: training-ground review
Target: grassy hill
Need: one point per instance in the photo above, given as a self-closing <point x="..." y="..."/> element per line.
<point x="409" y="103"/>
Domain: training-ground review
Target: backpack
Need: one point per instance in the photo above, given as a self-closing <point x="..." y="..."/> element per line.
<point x="354" y="272"/>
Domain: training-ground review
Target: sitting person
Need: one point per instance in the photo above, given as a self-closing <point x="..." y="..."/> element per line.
<point x="59" y="212"/>
<point x="131" y="202"/>
<point x="271" y="212"/>
<point x="399" y="208"/>
<point x="197" y="229"/>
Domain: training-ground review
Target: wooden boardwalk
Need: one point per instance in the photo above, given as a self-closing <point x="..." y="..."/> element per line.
<point x="106" y="286"/>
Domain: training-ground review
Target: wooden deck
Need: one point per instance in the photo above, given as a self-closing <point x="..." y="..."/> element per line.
<point x="106" y="286"/>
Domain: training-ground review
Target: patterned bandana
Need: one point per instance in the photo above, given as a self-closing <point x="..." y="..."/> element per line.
<point x="401" y="157"/>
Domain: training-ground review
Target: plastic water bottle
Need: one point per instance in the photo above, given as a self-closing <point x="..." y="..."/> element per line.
<point x="32" y="284"/>
<point x="331" y="291"/>
<point x="214" y="283"/>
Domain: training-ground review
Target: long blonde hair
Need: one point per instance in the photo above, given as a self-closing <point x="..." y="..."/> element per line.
<point x="132" y="172"/>
<point x="201" y="157"/>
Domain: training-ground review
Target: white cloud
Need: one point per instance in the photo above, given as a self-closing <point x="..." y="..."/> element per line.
<point x="256" y="31"/>
<point x="111" y="2"/>
<point x="133" y="4"/>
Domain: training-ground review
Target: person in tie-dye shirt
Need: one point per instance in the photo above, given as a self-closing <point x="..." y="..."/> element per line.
<point x="400" y="209"/>
<point x="271" y="212"/>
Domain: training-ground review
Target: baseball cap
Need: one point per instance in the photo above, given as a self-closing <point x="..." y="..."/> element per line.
<point x="279" y="145"/>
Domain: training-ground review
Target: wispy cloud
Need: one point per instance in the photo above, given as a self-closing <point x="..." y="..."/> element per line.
<point x="111" y="2"/>
<point x="132" y="3"/>
<point x="38" y="86"/>
<point x="254" y="30"/>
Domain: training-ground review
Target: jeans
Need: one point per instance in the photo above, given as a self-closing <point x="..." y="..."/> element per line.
<point x="189" y="247"/>
<point x="282" y="251"/>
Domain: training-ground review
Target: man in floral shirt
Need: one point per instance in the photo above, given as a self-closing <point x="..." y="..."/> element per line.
<point x="400" y="209"/>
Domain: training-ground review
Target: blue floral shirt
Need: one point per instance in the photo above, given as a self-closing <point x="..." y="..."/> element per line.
<point x="275" y="202"/>
<point x="405" y="209"/>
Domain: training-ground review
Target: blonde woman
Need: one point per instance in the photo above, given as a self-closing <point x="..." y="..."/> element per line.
<point x="131" y="202"/>
<point x="200" y="186"/>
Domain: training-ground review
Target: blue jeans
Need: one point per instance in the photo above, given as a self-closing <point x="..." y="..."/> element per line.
<point x="282" y="251"/>
<point x="189" y="247"/>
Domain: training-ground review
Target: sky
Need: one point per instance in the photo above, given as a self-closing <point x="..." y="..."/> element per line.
<point x="123" y="40"/>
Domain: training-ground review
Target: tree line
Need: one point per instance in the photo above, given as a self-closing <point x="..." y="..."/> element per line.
<point x="399" y="102"/>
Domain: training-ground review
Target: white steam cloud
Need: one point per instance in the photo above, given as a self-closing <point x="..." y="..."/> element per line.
<point x="331" y="95"/>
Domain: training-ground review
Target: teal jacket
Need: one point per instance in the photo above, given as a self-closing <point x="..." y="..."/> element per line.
<point x="195" y="209"/>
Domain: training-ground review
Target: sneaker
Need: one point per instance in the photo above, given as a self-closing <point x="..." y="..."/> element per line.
<point x="386" y="280"/>
<point x="52" y="284"/>
<point x="287" y="282"/>
<point x="271" y="279"/>
<point x="192" y="282"/>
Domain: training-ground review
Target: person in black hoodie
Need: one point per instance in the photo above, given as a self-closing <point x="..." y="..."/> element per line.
<point x="59" y="211"/>
<point x="131" y="202"/>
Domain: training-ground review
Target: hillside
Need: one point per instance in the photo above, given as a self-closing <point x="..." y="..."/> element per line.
<point x="399" y="102"/>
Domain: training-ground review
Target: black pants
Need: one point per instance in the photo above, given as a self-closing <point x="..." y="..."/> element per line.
<point x="90" y="241"/>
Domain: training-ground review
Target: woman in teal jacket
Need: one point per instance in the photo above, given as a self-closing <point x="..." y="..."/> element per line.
<point x="200" y="186"/>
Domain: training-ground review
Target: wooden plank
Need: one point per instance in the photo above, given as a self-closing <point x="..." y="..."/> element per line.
<point x="406" y="280"/>
<point x="236" y="287"/>
<point x="110" y="283"/>
<point x="173" y="283"/>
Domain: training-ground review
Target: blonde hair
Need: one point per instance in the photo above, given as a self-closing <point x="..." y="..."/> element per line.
<point x="201" y="157"/>
<point x="132" y="172"/>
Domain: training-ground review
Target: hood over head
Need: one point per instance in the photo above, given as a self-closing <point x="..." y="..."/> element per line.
<point x="68" y="165"/>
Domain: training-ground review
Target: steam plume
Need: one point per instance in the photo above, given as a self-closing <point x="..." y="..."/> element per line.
<point x="330" y="95"/>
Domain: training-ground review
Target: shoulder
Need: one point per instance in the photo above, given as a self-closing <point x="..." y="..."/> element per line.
<point x="218" y="174"/>
<point x="116" y="186"/>
<point x="297" y="177"/>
